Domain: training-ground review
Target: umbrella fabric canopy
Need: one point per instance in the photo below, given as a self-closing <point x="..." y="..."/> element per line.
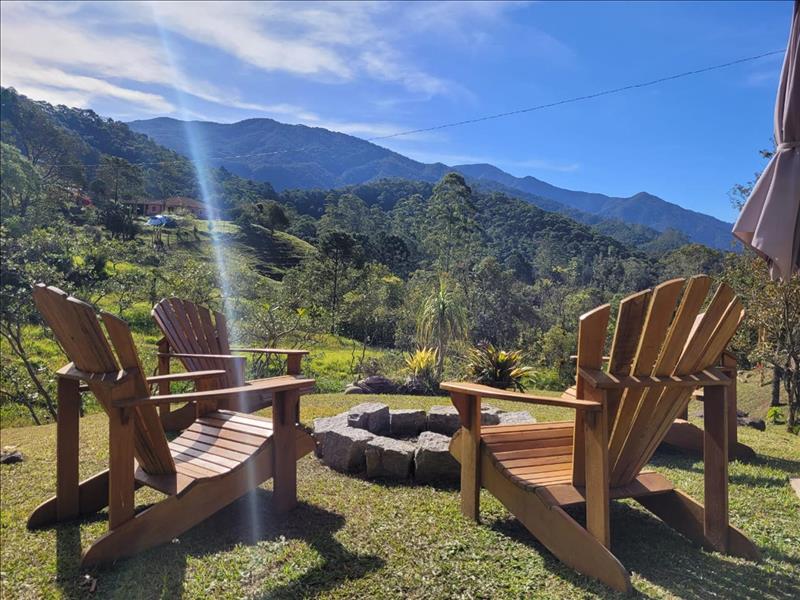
<point x="770" y="221"/>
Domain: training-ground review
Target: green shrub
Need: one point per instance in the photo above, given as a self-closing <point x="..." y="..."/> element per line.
<point x="546" y="379"/>
<point x="775" y="416"/>
<point x="498" y="368"/>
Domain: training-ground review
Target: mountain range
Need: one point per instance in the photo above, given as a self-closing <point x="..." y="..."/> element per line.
<point x="298" y="156"/>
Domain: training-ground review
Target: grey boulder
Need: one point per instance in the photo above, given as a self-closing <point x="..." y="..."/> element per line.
<point x="323" y="425"/>
<point x="372" y="416"/>
<point x="432" y="459"/>
<point x="443" y="419"/>
<point x="389" y="458"/>
<point x="522" y="416"/>
<point x="343" y="448"/>
<point x="491" y="415"/>
<point x="406" y="422"/>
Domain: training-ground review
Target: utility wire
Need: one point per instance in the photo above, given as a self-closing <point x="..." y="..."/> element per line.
<point x="519" y="111"/>
<point x="579" y="98"/>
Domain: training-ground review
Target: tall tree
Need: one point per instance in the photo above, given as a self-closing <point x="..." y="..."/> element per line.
<point x="338" y="250"/>
<point x="451" y="223"/>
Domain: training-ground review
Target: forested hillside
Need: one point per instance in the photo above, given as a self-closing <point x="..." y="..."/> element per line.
<point x="297" y="156"/>
<point x="383" y="263"/>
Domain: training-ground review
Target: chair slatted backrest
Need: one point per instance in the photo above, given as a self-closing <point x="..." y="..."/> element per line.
<point x="192" y="329"/>
<point x="659" y="332"/>
<point x="80" y="335"/>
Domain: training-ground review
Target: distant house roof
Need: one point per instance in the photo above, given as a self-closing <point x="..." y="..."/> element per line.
<point x="183" y="202"/>
<point x="143" y="201"/>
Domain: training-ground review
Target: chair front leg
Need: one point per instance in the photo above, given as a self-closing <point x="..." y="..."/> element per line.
<point x="284" y="474"/>
<point x="67" y="492"/>
<point x="469" y="411"/>
<point x="121" y="484"/>
<point x="595" y="429"/>
<point x="715" y="468"/>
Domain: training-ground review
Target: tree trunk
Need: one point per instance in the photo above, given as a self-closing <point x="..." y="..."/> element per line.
<point x="777" y="374"/>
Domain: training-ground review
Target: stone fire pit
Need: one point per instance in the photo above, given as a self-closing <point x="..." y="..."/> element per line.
<point x="398" y="444"/>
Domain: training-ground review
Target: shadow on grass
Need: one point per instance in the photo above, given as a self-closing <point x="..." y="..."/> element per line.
<point x="650" y="549"/>
<point x="679" y="460"/>
<point x="250" y="521"/>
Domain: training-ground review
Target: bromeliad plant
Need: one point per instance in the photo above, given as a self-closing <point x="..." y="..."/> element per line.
<point x="421" y="367"/>
<point x="498" y="368"/>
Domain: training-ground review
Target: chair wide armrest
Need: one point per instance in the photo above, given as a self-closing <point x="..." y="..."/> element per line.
<point x="287" y="351"/>
<point x="485" y="391"/>
<point x="69" y="371"/>
<point x="188" y="376"/>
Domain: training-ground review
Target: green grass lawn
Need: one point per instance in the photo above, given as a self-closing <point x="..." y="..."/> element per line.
<point x="352" y="538"/>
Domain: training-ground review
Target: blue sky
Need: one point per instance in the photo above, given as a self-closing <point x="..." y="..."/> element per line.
<point x="372" y="69"/>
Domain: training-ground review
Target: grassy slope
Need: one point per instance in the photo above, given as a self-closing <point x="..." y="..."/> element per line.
<point x="352" y="538"/>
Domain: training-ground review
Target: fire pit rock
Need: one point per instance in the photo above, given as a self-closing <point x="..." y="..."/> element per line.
<point x="406" y="422"/>
<point x="432" y="459"/>
<point x="372" y="416"/>
<point x="343" y="448"/>
<point x="389" y="458"/>
<point x="398" y="445"/>
<point x="443" y="419"/>
<point x="513" y="418"/>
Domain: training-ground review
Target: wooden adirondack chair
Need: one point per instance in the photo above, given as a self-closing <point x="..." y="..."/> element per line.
<point x="220" y="457"/>
<point x="659" y="354"/>
<point x="198" y="338"/>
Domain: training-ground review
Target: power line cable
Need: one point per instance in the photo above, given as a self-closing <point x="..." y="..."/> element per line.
<point x="579" y="98"/>
<point x="519" y="111"/>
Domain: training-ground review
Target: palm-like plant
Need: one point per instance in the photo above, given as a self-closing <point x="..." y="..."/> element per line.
<point x="441" y="320"/>
<point x="498" y="368"/>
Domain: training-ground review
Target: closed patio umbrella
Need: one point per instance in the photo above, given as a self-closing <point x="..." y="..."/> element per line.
<point x="770" y="220"/>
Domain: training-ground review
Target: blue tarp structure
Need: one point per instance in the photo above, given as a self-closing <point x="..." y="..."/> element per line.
<point x="162" y="221"/>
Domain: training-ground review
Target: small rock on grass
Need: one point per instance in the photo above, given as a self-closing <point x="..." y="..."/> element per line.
<point x="10" y="455"/>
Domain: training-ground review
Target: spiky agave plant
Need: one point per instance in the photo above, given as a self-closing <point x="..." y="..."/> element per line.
<point x="498" y="368"/>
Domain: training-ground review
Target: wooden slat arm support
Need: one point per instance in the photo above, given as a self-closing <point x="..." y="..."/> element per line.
<point x="187" y="376"/>
<point x="605" y="381"/>
<point x="273" y="385"/>
<point x="485" y="391"/>
<point x="294" y="357"/>
<point x="574" y="358"/>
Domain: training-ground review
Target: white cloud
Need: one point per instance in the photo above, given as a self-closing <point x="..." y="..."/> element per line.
<point x="123" y="51"/>
<point x="249" y="32"/>
<point x="30" y="79"/>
